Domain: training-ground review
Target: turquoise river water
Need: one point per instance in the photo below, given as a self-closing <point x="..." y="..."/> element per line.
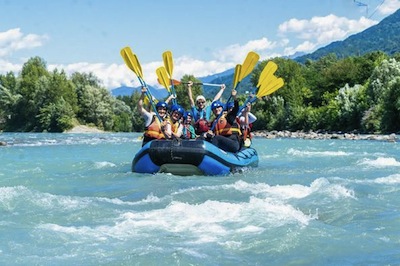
<point x="71" y="199"/>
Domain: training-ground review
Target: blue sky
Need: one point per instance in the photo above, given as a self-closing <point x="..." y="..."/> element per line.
<point x="205" y="37"/>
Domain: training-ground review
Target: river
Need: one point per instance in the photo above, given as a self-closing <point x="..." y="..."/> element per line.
<point x="71" y="199"/>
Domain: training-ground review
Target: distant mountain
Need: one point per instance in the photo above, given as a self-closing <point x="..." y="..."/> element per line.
<point x="210" y="78"/>
<point x="385" y="36"/>
<point x="245" y="85"/>
<point x="128" y="91"/>
<point x="123" y="91"/>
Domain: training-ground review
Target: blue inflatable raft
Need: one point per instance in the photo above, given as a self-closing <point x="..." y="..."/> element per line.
<point x="191" y="157"/>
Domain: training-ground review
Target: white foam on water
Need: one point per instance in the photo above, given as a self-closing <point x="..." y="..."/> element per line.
<point x="149" y="199"/>
<point x="380" y="162"/>
<point x="336" y="191"/>
<point x="13" y="196"/>
<point x="7" y="194"/>
<point x="268" y="156"/>
<point x="101" y="165"/>
<point x="43" y="139"/>
<point x="205" y="222"/>
<point x="306" y="153"/>
<point x="285" y="192"/>
<point x="282" y="192"/>
<point x="388" y="180"/>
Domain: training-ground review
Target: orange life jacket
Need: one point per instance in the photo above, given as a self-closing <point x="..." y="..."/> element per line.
<point x="223" y="128"/>
<point x="154" y="129"/>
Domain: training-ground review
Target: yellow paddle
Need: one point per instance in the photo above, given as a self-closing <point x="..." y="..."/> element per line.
<point x="169" y="66"/>
<point x="133" y="64"/>
<point x="267" y="72"/>
<point x="163" y="78"/>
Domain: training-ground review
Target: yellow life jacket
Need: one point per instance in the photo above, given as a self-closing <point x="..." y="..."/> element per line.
<point x="175" y="126"/>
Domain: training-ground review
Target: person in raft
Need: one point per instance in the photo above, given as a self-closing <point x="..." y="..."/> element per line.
<point x="246" y="120"/>
<point x="154" y="128"/>
<point x="188" y="131"/>
<point x="201" y="112"/>
<point x="173" y="127"/>
<point x="226" y="134"/>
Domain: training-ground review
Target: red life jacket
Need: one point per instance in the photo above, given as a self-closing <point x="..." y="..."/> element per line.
<point x="201" y="126"/>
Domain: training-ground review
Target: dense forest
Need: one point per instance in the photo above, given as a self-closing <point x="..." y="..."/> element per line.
<point x="353" y="94"/>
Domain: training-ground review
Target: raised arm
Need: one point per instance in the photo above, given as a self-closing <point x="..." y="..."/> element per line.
<point x="140" y="107"/>
<point x="170" y="98"/>
<point x="190" y="84"/>
<point x="231" y="116"/>
<point x="219" y="94"/>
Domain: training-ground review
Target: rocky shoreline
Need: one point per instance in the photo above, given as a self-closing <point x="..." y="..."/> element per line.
<point x="84" y="129"/>
<point x="314" y="135"/>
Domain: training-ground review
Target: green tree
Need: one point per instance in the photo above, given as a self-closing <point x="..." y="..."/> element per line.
<point x="56" y="117"/>
<point x="122" y="121"/>
<point x="351" y="107"/>
<point x="33" y="74"/>
<point x="382" y="96"/>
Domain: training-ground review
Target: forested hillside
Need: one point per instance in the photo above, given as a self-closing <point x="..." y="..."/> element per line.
<point x="357" y="93"/>
<point x="384" y="37"/>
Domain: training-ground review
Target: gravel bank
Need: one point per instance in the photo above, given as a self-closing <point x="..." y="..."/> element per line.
<point x="315" y="135"/>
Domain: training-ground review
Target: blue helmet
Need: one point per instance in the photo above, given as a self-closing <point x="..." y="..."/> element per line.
<point x="178" y="108"/>
<point x="161" y="104"/>
<point x="230" y="105"/>
<point x="216" y="104"/>
<point x="187" y="113"/>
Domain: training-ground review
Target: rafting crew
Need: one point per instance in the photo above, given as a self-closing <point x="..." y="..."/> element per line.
<point x="230" y="129"/>
<point x="200" y="110"/>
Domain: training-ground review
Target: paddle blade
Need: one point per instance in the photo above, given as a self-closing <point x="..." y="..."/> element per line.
<point x="137" y="66"/>
<point x="146" y="100"/>
<point x="248" y="65"/>
<point x="163" y="77"/>
<point x="124" y="53"/>
<point x="168" y="62"/>
<point x="267" y="73"/>
<point x="176" y="82"/>
<point x="236" y="75"/>
<point x="132" y="61"/>
<point x="268" y="88"/>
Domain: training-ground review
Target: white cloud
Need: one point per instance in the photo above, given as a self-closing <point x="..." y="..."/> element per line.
<point x="389" y="6"/>
<point x="303" y="47"/>
<point x="13" y="40"/>
<point x="304" y="35"/>
<point x="320" y="31"/>
<point x="115" y="75"/>
<point x="112" y="76"/>
<point x="237" y="52"/>
<point x="6" y="66"/>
